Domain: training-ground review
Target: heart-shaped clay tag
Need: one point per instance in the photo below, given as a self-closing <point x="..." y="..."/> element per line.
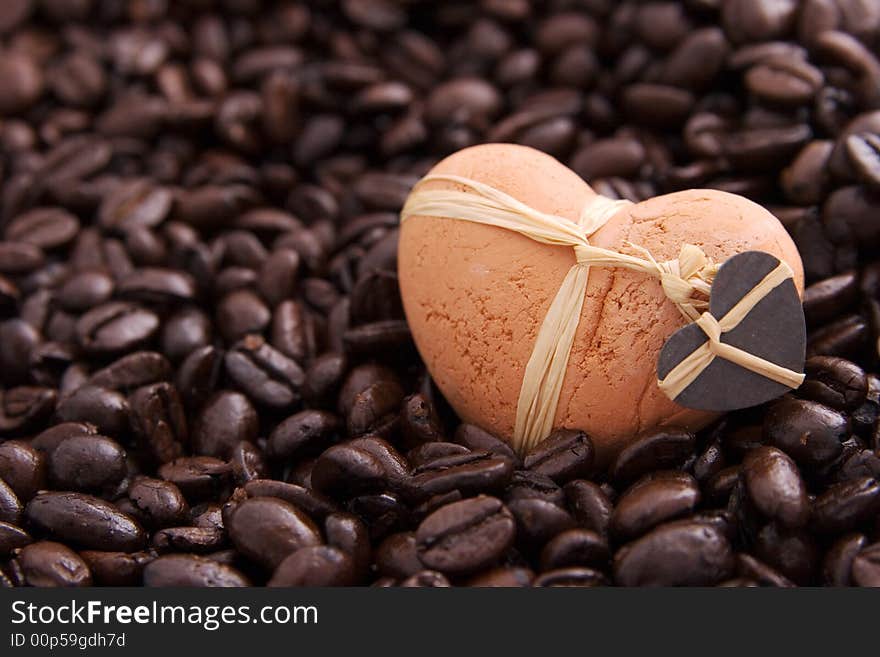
<point x="773" y="330"/>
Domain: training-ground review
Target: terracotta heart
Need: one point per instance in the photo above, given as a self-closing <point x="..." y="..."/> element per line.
<point x="475" y="296"/>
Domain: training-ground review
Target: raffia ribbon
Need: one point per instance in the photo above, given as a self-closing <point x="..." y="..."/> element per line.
<point x="686" y="281"/>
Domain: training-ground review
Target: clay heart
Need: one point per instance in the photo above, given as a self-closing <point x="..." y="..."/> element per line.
<point x="773" y="330"/>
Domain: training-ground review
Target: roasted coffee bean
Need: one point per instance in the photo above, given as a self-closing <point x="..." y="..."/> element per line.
<point x="528" y="484"/>
<point x="115" y="327"/>
<point x="844" y="506"/>
<point x="197" y="477"/>
<point x="25" y="407"/>
<point x="318" y="565"/>
<point x="345" y="470"/>
<point x="835" y="382"/>
<point x="574" y="548"/>
<point x="105" y="408"/>
<point x="864" y="154"/>
<point x="478" y="440"/>
<point x="86" y="290"/>
<point x="323" y="378"/>
<point x="158" y="420"/>
<point x="348" y="533"/>
<point x="397" y="556"/>
<point x="427" y="452"/>
<point x="157" y="286"/>
<point x="562" y="456"/>
<point x="12" y="537"/>
<point x="653" y="450"/>
<point x="51" y="564"/>
<point x="538" y="521"/>
<point x="247" y="462"/>
<point x="749" y="567"/>
<point x="680" y="553"/>
<point x="225" y="420"/>
<point x="264" y="373"/>
<point x="426" y="579"/>
<point x="88" y="464"/>
<point x="465" y="536"/>
<point x="374" y="410"/>
<point x="184" y="332"/>
<point x="506" y="577"/>
<point x="23" y="468"/>
<point x="196" y="540"/>
<point x="133" y="371"/>
<point x="191" y="571"/>
<point x="419" y="422"/>
<point x="589" y="504"/>
<point x="467" y="473"/>
<point x="809" y="432"/>
<point x="312" y="502"/>
<point x="116" y="568"/>
<point x="239" y="313"/>
<point x="85" y="521"/>
<point x="653" y="500"/>
<point x="792" y="552"/>
<point x="198" y="374"/>
<point x="866" y="566"/>
<point x="383" y="513"/>
<point x="775" y="486"/>
<point x="266" y="530"/>
<point x="47" y="228"/>
<point x="10" y="506"/>
<point x="159" y="503"/>
<point x="837" y="565"/>
<point x="568" y="577"/>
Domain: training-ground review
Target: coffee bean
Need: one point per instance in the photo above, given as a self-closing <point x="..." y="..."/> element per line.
<point x="25" y="407"/>
<point x="651" y="501"/>
<point x="784" y="81"/>
<point x="50" y="564"/>
<point x="318" y="565"/>
<point x="568" y="577"/>
<point x="775" y="486"/>
<point x="345" y="470"/>
<point x="197" y="477"/>
<point x="680" y="553"/>
<point x="157" y="286"/>
<point x="478" y="440"/>
<point x="241" y="312"/>
<point x="12" y="538"/>
<point x="191" y="571"/>
<point x="103" y="407"/>
<point x="589" y="505"/>
<point x="427" y="452"/>
<point x="652" y="450"/>
<point x="837" y="565"/>
<point x="397" y="556"/>
<point x="116" y="568"/>
<point x="23" y="468"/>
<point x="842" y="507"/>
<point x="315" y="504"/>
<point x="47" y="228"/>
<point x="88" y="464"/>
<point x="505" y="577"/>
<point x="465" y="536"/>
<point x="763" y="575"/>
<point x="562" y="456"/>
<point x="10" y="506"/>
<point x="198" y="374"/>
<point x="22" y="83"/>
<point x="267" y="375"/>
<point x="115" y="327"/>
<point x="84" y="520"/>
<point x="835" y="382"/>
<point x="266" y="530"/>
<point x="527" y="484"/>
<point x="825" y="299"/>
<point x="792" y="552"/>
<point x="807" y="431"/>
<point x="866" y="567"/>
<point x="197" y="540"/>
<point x="225" y="420"/>
<point x="573" y="548"/>
<point x="158" y="421"/>
<point x="538" y="521"/>
<point x="184" y="332"/>
<point x="374" y="409"/>
<point x="159" y="503"/>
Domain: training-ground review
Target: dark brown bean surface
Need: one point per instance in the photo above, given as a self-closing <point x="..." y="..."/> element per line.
<point x="200" y="308"/>
<point x="50" y="564"/>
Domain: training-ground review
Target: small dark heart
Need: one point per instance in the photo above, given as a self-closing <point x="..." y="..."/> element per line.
<point x="774" y="330"/>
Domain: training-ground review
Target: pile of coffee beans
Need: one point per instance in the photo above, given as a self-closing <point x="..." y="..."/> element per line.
<point x="207" y="377"/>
